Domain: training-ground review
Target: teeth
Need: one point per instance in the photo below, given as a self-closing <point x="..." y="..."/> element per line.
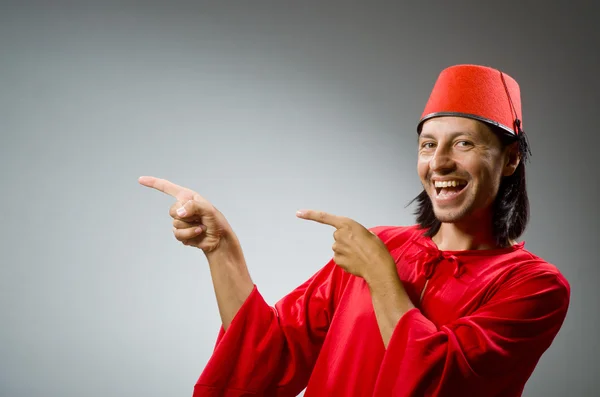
<point x="449" y="183"/>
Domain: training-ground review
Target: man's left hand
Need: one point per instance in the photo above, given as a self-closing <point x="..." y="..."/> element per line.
<point x="356" y="249"/>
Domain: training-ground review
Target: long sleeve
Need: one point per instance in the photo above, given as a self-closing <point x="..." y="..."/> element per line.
<point x="272" y="350"/>
<point x="491" y="352"/>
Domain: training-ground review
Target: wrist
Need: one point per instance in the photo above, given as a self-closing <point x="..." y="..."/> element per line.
<point x="228" y="251"/>
<point x="383" y="274"/>
<point x="228" y="267"/>
<point x="227" y="245"/>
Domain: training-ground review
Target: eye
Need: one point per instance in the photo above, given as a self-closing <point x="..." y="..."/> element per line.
<point x="464" y="143"/>
<point x="427" y="145"/>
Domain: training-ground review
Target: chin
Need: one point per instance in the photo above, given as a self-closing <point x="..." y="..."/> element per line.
<point x="449" y="216"/>
<point x="452" y="214"/>
<point x="467" y="211"/>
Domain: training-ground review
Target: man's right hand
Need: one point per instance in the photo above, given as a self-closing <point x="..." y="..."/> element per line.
<point x="196" y="222"/>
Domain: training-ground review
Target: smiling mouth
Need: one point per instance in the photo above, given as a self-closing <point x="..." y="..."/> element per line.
<point x="449" y="188"/>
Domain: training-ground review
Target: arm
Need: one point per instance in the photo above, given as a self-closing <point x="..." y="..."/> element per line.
<point x="265" y="351"/>
<point x="390" y="301"/>
<point x="496" y="347"/>
<point x="270" y="351"/>
<point x="230" y="276"/>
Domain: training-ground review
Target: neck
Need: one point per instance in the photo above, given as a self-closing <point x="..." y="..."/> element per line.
<point x="476" y="233"/>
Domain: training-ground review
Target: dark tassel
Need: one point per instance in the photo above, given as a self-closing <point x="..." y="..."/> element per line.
<point x="524" y="148"/>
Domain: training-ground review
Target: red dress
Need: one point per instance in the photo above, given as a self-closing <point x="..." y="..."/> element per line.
<point x="482" y="320"/>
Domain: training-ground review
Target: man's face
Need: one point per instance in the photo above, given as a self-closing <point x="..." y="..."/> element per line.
<point x="460" y="164"/>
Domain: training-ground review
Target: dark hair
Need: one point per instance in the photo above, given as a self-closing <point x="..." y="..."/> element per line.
<point x="510" y="207"/>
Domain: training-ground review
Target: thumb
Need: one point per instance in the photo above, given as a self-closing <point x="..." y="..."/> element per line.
<point x="191" y="208"/>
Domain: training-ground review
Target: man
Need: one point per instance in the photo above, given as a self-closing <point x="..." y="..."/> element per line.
<point x="452" y="306"/>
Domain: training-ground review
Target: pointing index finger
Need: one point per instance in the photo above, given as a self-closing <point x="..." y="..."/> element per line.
<point x="162" y="185"/>
<point x="322" y="217"/>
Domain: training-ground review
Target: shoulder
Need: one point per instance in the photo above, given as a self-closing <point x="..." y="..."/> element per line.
<point x="529" y="268"/>
<point x="530" y="263"/>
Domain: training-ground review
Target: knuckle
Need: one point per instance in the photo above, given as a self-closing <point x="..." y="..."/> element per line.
<point x="179" y="224"/>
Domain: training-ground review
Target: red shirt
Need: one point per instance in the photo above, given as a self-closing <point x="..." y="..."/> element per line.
<point x="482" y="320"/>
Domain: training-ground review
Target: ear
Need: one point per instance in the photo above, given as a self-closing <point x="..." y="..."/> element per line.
<point x="512" y="159"/>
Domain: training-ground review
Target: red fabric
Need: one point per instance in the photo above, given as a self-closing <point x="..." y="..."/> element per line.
<point x="485" y="319"/>
<point x="476" y="91"/>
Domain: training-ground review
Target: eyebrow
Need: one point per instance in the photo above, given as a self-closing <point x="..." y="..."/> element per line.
<point x="426" y="135"/>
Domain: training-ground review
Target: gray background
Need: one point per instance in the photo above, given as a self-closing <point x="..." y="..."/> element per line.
<point x="264" y="108"/>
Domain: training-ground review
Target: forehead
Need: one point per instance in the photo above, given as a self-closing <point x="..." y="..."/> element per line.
<point x="446" y="126"/>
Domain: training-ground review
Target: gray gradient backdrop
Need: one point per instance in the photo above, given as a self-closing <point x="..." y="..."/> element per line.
<point x="264" y="108"/>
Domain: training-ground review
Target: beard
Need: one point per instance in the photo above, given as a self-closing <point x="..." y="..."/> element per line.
<point x="452" y="215"/>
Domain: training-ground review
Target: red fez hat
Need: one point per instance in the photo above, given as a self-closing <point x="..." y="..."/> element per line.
<point x="478" y="92"/>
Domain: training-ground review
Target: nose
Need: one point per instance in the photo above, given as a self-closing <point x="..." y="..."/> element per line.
<point x="442" y="161"/>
